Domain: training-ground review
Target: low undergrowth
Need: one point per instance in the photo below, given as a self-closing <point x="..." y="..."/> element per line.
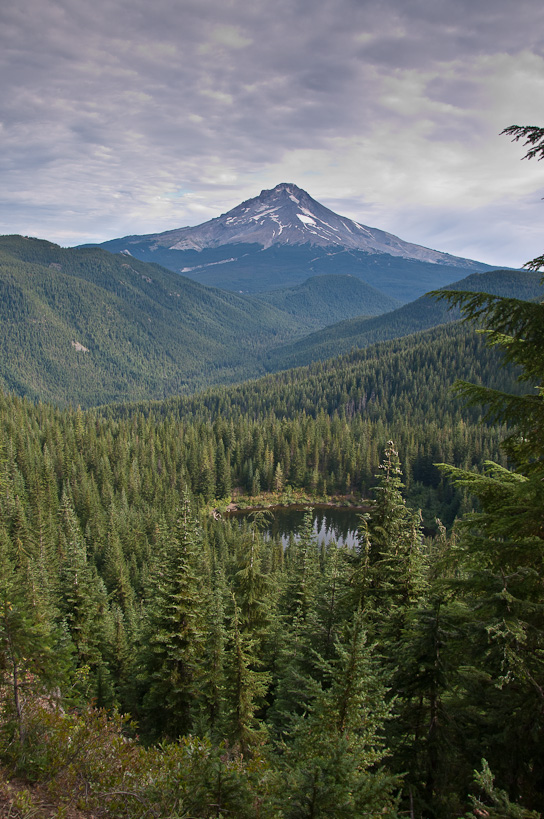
<point x="84" y="764"/>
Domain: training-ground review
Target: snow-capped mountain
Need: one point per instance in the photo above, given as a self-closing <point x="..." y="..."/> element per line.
<point x="287" y="215"/>
<point x="283" y="237"/>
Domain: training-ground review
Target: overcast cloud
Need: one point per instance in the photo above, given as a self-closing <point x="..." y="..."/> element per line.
<point x="122" y="116"/>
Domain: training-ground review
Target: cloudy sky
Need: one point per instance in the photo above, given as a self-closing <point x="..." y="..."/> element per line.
<point x="132" y="116"/>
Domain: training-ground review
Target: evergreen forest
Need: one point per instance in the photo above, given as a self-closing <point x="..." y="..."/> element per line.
<point x="158" y="661"/>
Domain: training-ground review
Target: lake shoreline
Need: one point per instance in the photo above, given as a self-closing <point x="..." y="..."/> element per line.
<point x="234" y="510"/>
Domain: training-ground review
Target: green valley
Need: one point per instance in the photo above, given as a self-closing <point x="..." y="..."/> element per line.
<point x="83" y="326"/>
<point x="293" y="679"/>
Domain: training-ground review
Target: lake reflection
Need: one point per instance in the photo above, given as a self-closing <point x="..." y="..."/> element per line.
<point x="337" y="525"/>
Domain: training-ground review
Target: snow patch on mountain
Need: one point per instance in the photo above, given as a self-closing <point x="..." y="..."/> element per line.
<point x="306" y="220"/>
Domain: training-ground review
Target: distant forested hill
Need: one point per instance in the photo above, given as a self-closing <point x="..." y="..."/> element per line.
<point x="418" y="315"/>
<point x="327" y="299"/>
<point x="83" y="326"/>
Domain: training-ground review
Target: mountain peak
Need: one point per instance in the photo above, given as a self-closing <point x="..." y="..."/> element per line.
<point x="287" y="187"/>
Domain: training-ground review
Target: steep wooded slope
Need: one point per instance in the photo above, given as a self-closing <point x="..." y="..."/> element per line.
<point x="85" y="326"/>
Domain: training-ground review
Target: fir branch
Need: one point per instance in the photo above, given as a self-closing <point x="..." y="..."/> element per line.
<point x="532" y="135"/>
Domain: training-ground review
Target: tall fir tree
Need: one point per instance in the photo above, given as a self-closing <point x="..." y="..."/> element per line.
<point x="332" y="763"/>
<point x="501" y="546"/>
<point x="172" y="637"/>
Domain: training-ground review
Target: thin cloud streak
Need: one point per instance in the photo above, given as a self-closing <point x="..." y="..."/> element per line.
<point x="118" y="117"/>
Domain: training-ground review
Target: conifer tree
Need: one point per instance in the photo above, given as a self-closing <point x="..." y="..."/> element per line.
<point x="297" y="661"/>
<point x="115" y="572"/>
<point x="84" y="607"/>
<point x="246" y="687"/>
<point x="222" y="472"/>
<point x="250" y="583"/>
<point x="211" y="719"/>
<point x="501" y="545"/>
<point x="425" y="738"/>
<point x="332" y="763"/>
<point x="303" y="565"/>
<point x="389" y="574"/>
<point x="493" y="802"/>
<point x="27" y="639"/>
<point x="173" y="640"/>
<point x="334" y="597"/>
<point x="279" y="479"/>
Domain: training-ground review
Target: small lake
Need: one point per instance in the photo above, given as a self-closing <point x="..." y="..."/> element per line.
<point x="331" y="524"/>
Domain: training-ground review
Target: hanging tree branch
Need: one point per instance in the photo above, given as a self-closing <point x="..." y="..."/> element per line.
<point x="533" y="136"/>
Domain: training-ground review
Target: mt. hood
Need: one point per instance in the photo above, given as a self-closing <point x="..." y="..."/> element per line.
<point x="283" y="237"/>
<point x="287" y="215"/>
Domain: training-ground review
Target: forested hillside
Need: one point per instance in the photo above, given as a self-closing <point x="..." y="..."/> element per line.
<point x="325" y="425"/>
<point x="84" y="326"/>
<point x="324" y="300"/>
